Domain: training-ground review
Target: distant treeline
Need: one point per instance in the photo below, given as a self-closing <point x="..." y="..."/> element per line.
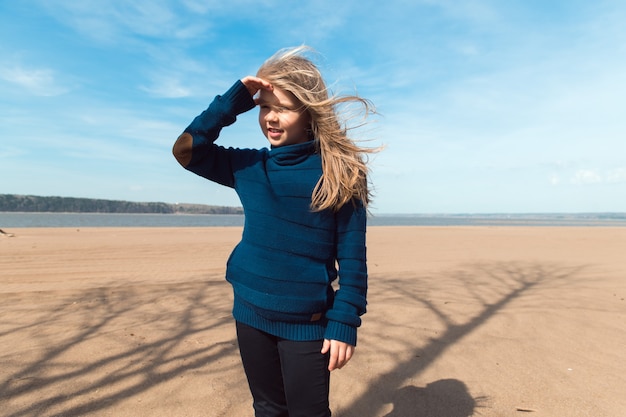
<point x="31" y="203"/>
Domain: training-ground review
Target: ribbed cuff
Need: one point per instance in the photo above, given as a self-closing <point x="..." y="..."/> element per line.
<point x="341" y="332"/>
<point x="239" y="98"/>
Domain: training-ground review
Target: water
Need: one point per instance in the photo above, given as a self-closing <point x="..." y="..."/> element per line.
<point x="117" y="220"/>
<point x="13" y="220"/>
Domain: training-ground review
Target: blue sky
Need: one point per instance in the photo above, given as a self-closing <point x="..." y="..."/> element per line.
<point x="503" y="106"/>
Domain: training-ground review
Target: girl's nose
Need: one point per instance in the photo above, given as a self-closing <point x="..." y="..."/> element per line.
<point x="271" y="116"/>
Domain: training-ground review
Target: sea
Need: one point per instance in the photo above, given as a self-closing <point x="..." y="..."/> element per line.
<point x="18" y="220"/>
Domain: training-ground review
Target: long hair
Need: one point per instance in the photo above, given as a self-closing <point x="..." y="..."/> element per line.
<point x="344" y="163"/>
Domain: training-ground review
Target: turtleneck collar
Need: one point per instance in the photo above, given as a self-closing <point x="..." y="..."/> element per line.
<point x="292" y="154"/>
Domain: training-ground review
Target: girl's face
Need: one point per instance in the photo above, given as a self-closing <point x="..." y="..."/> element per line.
<point x="282" y="120"/>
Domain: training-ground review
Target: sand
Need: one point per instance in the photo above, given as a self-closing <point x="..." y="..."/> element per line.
<point x="462" y="321"/>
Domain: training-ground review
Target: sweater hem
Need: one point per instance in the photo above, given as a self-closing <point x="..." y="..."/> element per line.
<point x="299" y="331"/>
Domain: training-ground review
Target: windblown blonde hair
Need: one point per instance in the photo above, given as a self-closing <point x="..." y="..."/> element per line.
<point x="344" y="163"/>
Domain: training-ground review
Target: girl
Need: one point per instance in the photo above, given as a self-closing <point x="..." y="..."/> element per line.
<point x="305" y="201"/>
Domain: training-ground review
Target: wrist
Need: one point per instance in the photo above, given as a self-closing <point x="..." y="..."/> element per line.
<point x="239" y="98"/>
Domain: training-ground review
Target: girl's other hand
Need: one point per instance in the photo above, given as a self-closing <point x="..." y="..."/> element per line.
<point x="340" y="353"/>
<point x="254" y="84"/>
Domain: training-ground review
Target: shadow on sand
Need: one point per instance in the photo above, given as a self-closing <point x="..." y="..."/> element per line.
<point x="87" y="351"/>
<point x="446" y="397"/>
<point x="481" y="291"/>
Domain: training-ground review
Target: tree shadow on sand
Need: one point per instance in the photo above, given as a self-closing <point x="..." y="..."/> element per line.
<point x="446" y="397"/>
<point x="475" y="293"/>
<point x="90" y="350"/>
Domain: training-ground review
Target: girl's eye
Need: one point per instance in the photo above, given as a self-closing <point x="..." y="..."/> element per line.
<point x="277" y="109"/>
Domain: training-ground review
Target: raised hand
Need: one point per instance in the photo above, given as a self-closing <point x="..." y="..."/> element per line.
<point x="254" y="84"/>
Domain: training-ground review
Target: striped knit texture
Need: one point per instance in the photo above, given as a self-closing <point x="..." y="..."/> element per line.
<point x="283" y="270"/>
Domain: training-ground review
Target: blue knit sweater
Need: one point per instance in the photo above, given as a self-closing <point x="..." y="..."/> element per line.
<point x="282" y="271"/>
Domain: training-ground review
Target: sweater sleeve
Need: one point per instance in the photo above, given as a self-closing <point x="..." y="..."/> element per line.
<point x="350" y="299"/>
<point x="209" y="160"/>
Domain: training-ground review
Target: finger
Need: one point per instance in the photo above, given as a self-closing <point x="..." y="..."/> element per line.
<point x="256" y="83"/>
<point x="253" y="84"/>
<point x="333" y="362"/>
<point x="341" y="356"/>
<point x="264" y="84"/>
<point x="325" y="346"/>
<point x="348" y="352"/>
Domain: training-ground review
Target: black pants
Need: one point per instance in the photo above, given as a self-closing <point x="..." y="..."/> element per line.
<point x="286" y="378"/>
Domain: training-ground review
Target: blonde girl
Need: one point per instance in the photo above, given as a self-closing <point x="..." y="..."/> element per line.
<point x="305" y="200"/>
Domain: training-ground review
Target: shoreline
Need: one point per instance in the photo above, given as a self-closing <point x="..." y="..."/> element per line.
<point x="28" y="220"/>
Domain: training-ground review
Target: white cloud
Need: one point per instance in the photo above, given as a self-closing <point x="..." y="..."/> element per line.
<point x="555" y="179"/>
<point x="40" y="82"/>
<point x="589" y="176"/>
<point x="617" y="175"/>
<point x="478" y="12"/>
<point x="118" y="21"/>
<point x="173" y="74"/>
<point x="167" y="87"/>
<point x="586" y="176"/>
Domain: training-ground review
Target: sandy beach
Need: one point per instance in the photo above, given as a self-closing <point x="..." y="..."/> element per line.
<point x="462" y="321"/>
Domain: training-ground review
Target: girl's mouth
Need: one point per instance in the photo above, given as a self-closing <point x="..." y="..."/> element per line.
<point x="274" y="133"/>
